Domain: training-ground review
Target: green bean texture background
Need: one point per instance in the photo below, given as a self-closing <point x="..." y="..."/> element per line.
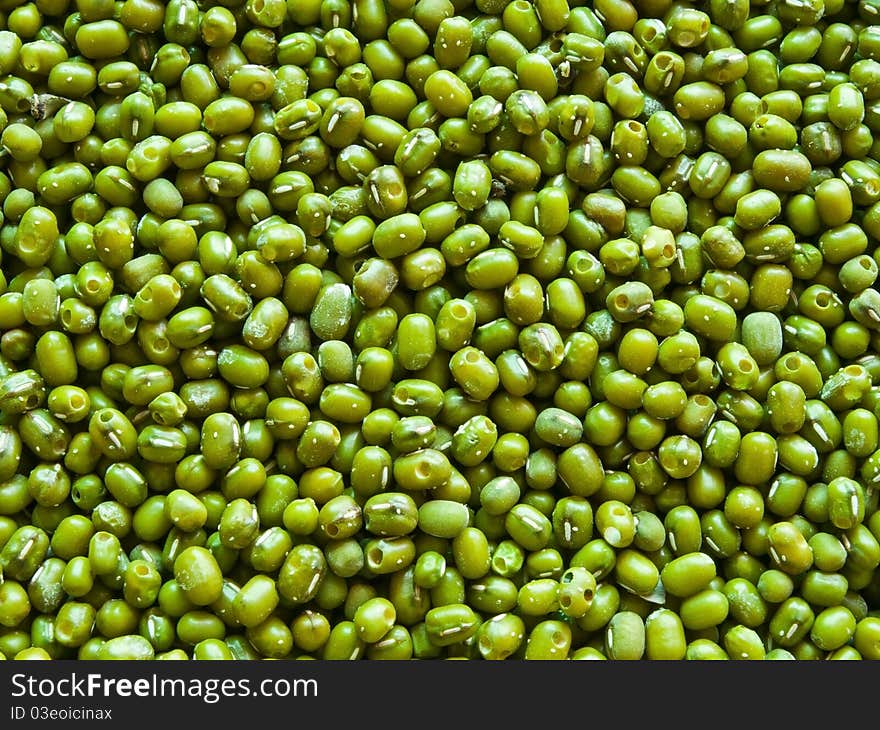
<point x="428" y="329"/>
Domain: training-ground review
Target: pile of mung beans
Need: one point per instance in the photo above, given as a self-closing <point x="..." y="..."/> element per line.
<point x="439" y="329"/>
